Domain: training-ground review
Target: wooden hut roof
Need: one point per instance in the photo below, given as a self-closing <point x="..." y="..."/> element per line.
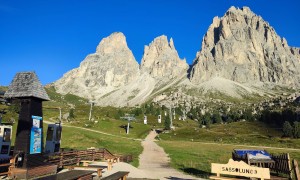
<point x="26" y="84"/>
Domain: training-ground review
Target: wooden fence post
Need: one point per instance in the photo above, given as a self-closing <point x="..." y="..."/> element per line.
<point x="93" y="155"/>
<point x="296" y="169"/>
<point x="77" y="158"/>
<point x="61" y="158"/>
<point x="289" y="166"/>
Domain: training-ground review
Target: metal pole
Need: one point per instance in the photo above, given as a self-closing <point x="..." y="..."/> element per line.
<point x="91" y="111"/>
<point x="171" y="119"/>
<point x="127" y="128"/>
<point x="59" y="115"/>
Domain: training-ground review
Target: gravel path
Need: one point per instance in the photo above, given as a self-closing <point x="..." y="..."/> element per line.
<point x="155" y="162"/>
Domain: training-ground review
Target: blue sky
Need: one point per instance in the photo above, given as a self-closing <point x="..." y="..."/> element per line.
<point x="52" y="37"/>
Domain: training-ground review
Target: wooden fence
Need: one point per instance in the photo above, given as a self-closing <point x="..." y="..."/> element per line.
<point x="65" y="158"/>
<point x="4" y="169"/>
<point x="126" y="158"/>
<point x="282" y="164"/>
<point x="278" y="163"/>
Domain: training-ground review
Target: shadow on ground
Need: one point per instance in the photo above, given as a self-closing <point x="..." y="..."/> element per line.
<point x="196" y="172"/>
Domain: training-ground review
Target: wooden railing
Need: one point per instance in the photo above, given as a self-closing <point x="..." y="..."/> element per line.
<point x="126" y="158"/>
<point x="71" y="157"/>
<point x="66" y="158"/>
<point x="282" y="164"/>
<point x="279" y="163"/>
<point x="6" y="165"/>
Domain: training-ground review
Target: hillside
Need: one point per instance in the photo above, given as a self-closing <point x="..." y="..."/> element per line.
<point x="191" y="145"/>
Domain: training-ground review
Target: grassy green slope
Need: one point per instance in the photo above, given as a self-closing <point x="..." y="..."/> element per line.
<point x="184" y="145"/>
<point x="82" y="139"/>
<point x="247" y="133"/>
<point x="193" y="149"/>
<point x="196" y="157"/>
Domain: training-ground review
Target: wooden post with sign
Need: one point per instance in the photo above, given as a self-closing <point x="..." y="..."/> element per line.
<point x="239" y="168"/>
<point x="29" y="136"/>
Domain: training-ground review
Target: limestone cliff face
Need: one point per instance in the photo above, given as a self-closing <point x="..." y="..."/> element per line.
<point x="242" y="47"/>
<point x="296" y="52"/>
<point x="239" y="51"/>
<point x="161" y="60"/>
<point x="111" y="66"/>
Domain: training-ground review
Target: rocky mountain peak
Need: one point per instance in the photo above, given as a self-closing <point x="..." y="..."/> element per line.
<point x="113" y="65"/>
<point x="242" y="47"/>
<point x="161" y="59"/>
<point x="296" y="52"/>
<point x="116" y="42"/>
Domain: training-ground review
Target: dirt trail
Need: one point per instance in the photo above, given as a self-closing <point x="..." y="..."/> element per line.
<point x="155" y="162"/>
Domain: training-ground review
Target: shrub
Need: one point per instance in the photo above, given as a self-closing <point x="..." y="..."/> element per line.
<point x="167" y="123"/>
<point x="287" y="129"/>
<point x="71" y="114"/>
<point x="296" y="129"/>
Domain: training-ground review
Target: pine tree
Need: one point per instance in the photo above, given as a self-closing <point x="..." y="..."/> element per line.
<point x="296" y="129"/>
<point x="167" y="123"/>
<point x="216" y="118"/>
<point x="71" y="113"/>
<point x="207" y="120"/>
<point x="287" y="129"/>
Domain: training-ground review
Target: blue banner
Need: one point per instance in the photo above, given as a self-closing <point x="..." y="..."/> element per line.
<point x="36" y="135"/>
<point x="35" y="140"/>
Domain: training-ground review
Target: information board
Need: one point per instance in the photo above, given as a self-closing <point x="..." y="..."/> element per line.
<point x="36" y="135"/>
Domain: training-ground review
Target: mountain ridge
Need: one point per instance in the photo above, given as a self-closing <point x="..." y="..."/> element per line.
<point x="240" y="54"/>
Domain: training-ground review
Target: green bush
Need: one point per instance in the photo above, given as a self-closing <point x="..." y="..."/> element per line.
<point x="296" y="129"/>
<point x="287" y="129"/>
<point x="167" y="123"/>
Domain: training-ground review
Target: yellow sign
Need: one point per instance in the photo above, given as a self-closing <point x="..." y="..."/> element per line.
<point x="240" y="168"/>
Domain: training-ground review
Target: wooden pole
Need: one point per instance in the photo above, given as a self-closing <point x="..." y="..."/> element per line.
<point x="296" y="169"/>
<point x="289" y="166"/>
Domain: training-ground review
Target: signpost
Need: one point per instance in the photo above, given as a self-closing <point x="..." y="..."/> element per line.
<point x="128" y="117"/>
<point x="29" y="140"/>
<point x="239" y="168"/>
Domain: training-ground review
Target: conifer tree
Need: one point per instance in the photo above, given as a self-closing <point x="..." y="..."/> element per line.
<point x="287" y="129"/>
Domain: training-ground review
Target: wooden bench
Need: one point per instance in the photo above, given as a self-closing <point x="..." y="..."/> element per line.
<point x="86" y="163"/>
<point x="120" y="175"/>
<point x="97" y="169"/>
<point x="70" y="175"/>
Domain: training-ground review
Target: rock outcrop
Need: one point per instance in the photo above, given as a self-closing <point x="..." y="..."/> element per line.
<point x="111" y="66"/>
<point x="244" y="48"/>
<point x="161" y="60"/>
<point x="241" y="55"/>
<point x="296" y="52"/>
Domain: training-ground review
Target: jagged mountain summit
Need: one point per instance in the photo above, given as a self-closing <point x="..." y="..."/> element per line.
<point x="111" y="66"/>
<point x="241" y="55"/>
<point x="161" y="60"/>
<point x="112" y="76"/>
<point x="296" y="52"/>
<point x="244" y="48"/>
